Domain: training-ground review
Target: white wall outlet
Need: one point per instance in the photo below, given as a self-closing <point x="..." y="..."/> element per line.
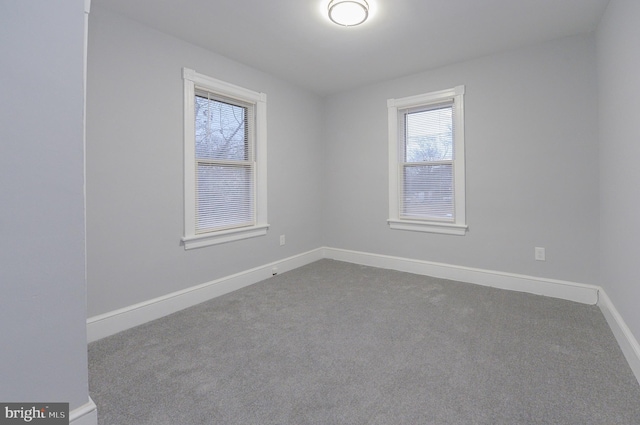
<point x="540" y="254"/>
<point x="282" y="240"/>
<point x="274" y="271"/>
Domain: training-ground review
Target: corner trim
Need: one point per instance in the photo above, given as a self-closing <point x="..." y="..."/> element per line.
<point x="87" y="414"/>
<point x="578" y="292"/>
<point x="627" y="342"/>
<point x="122" y="319"/>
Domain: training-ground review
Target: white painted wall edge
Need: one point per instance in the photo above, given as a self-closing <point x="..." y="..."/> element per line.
<point x="578" y="292"/>
<point x="87" y="414"/>
<point x="128" y="317"/>
<point x="627" y="342"/>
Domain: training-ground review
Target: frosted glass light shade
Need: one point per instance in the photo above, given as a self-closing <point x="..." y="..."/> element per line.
<point x="348" y="12"/>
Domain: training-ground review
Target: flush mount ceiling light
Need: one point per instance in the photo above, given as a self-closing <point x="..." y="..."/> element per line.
<point x="348" y="13"/>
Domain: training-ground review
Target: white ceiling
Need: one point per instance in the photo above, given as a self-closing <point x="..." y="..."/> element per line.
<point x="294" y="39"/>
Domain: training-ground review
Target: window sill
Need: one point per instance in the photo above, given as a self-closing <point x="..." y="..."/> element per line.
<point x="428" y="227"/>
<point x="224" y="236"/>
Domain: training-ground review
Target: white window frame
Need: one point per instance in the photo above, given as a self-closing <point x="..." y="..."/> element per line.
<point x="459" y="225"/>
<point x="191" y="239"/>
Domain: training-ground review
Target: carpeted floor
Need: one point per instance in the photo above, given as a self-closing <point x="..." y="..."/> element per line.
<point x="338" y="343"/>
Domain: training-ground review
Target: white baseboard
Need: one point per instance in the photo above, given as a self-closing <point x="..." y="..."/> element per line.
<point x="87" y="414"/>
<point x="627" y="342"/>
<point x="128" y="317"/>
<point x="119" y="320"/>
<point x="578" y="292"/>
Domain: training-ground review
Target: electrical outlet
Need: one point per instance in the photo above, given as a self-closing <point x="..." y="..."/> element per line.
<point x="274" y="271"/>
<point x="282" y="240"/>
<point x="539" y="254"/>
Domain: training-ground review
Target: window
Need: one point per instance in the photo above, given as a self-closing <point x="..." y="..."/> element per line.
<point x="224" y="162"/>
<point x="426" y="162"/>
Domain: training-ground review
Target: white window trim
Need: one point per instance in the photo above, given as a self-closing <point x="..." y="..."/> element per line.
<point x="459" y="226"/>
<point x="191" y="239"/>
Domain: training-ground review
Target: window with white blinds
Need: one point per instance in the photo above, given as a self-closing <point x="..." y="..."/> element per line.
<point x="225" y="162"/>
<point x="426" y="164"/>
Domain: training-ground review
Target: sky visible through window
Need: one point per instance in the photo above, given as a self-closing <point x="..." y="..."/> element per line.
<point x="221" y="130"/>
<point x="429" y="135"/>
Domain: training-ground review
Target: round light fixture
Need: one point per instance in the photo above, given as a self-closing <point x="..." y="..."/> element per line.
<point x="348" y="13"/>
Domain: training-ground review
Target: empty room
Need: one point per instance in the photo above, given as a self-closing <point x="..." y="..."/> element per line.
<point x="322" y="211"/>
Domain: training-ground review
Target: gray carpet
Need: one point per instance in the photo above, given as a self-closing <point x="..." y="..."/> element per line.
<point x="338" y="343"/>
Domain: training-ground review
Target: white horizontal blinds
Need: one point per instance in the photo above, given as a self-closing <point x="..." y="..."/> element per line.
<point x="224" y="159"/>
<point x="427" y="156"/>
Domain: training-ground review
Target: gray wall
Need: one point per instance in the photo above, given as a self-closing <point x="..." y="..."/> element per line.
<point x="532" y="164"/>
<point x="135" y="166"/>
<point x="619" y="107"/>
<point x="42" y="254"/>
